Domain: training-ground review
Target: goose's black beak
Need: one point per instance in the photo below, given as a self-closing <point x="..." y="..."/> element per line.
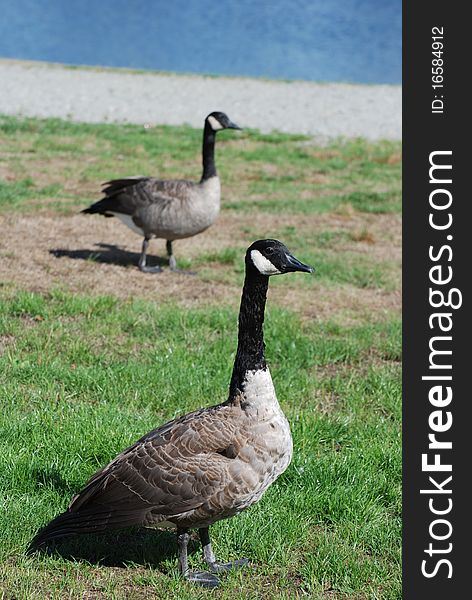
<point x="232" y="125"/>
<point x="293" y="264"/>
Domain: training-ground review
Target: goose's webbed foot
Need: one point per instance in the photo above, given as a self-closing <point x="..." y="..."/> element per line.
<point x="216" y="566"/>
<point x="202" y="578"/>
<point x="143" y="267"/>
<point x="199" y="577"/>
<point x="146" y="269"/>
<point x="173" y="263"/>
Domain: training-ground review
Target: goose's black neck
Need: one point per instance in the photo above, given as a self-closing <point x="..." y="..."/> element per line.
<point x="208" y="152"/>
<point x="250" y="352"/>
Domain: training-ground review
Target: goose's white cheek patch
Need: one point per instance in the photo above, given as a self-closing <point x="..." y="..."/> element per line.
<point x="215" y="125"/>
<point x="263" y="264"/>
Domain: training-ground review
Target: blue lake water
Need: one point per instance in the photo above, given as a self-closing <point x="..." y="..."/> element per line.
<point x="320" y="40"/>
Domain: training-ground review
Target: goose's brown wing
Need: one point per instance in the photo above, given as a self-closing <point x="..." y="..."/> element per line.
<point x="134" y="194"/>
<point x="174" y="469"/>
<point x="148" y="186"/>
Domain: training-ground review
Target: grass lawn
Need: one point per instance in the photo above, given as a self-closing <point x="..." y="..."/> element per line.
<point x="93" y="354"/>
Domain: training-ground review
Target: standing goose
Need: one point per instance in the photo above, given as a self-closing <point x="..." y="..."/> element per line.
<point x="208" y="465"/>
<point x="171" y="209"/>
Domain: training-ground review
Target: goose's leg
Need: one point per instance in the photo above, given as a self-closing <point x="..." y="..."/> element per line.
<point x="170" y="254"/>
<point x="210" y="559"/>
<point x="201" y="577"/>
<point x="142" y="260"/>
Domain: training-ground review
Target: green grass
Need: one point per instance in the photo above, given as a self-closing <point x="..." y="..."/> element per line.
<point x="272" y="173"/>
<point x="333" y="268"/>
<point x="82" y="377"/>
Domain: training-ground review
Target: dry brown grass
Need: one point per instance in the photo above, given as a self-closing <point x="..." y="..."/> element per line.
<point x="93" y="255"/>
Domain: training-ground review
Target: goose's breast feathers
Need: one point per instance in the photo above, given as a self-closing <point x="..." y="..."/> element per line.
<point x="270" y="432"/>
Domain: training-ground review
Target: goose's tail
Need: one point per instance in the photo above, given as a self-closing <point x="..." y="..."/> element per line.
<point x="102" y="207"/>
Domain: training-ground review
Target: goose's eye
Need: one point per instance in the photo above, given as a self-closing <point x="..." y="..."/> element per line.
<point x="269" y="251"/>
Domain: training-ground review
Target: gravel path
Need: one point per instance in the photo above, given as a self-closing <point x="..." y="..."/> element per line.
<point x="324" y="110"/>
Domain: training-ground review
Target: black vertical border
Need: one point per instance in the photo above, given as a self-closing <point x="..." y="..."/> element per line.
<point x="423" y="133"/>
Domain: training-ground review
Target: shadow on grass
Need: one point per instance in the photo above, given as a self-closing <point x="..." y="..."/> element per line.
<point x="51" y="477"/>
<point x="108" y="254"/>
<point x="120" y="548"/>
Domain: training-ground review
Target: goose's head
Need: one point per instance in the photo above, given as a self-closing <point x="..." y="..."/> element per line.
<point x="271" y="257"/>
<point x="219" y="120"/>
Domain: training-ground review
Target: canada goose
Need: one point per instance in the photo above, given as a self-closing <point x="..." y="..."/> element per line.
<point x="172" y="209"/>
<point x="205" y="466"/>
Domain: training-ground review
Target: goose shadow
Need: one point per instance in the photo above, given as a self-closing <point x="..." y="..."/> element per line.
<point x="117" y="548"/>
<point x="108" y="254"/>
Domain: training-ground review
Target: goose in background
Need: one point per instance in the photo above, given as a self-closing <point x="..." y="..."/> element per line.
<point x="171" y="209"/>
<point x="209" y="464"/>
